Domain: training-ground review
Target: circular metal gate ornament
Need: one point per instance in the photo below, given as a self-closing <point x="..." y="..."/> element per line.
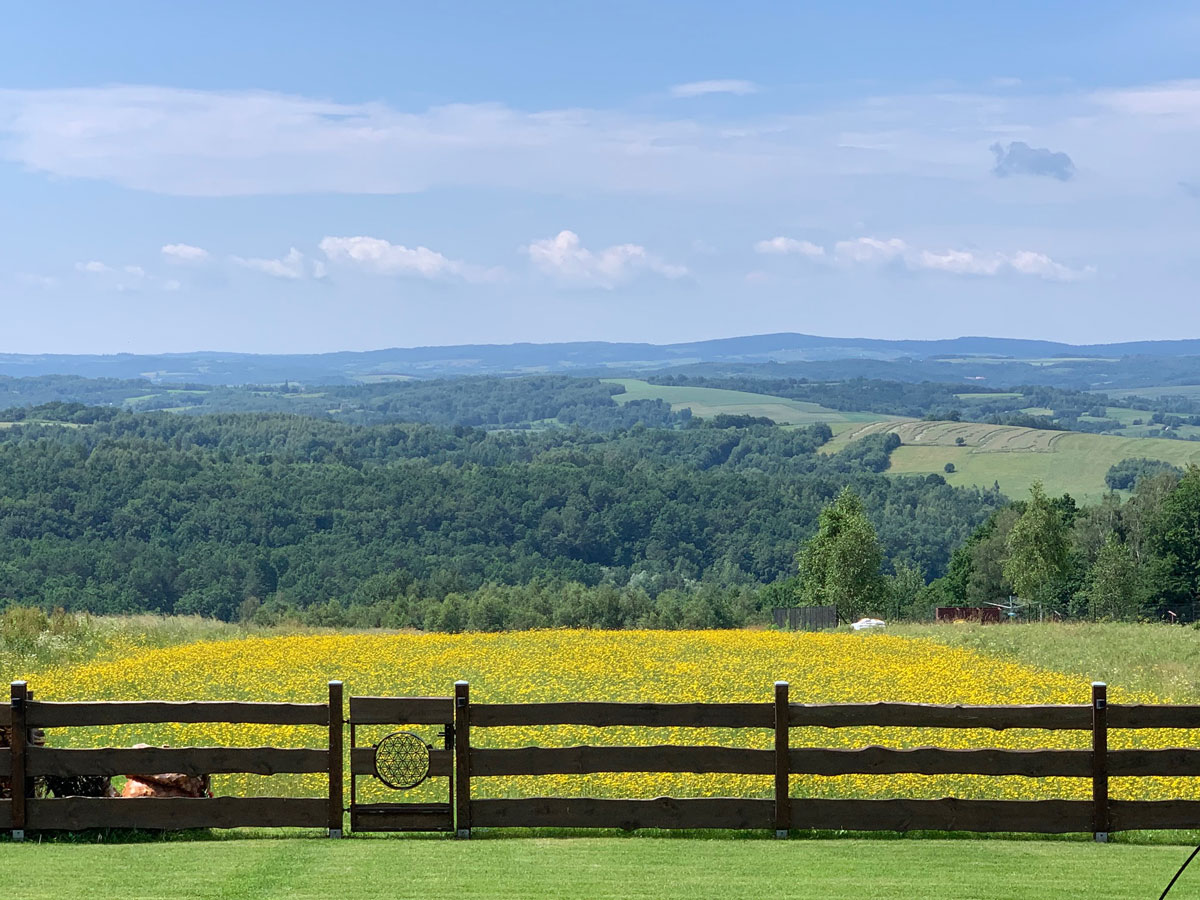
<point x="401" y="760"/>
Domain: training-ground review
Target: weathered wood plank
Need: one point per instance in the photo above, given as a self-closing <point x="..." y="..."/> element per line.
<point x="947" y="814"/>
<point x="401" y="710"/>
<point x="135" y="712"/>
<point x="19" y="741"/>
<point x="189" y="760"/>
<point x="657" y="715"/>
<point x="362" y="762"/>
<point x="939" y="761"/>
<point x="1173" y="761"/>
<point x="1129" y="815"/>
<point x="587" y="760"/>
<point x="5" y="815"/>
<point x="5" y="716"/>
<point x="590" y="812"/>
<point x="461" y="786"/>
<point x="1135" y="715"/>
<point x="782" y="761"/>
<point x="1099" y="760"/>
<point x="335" y="761"/>
<point x="78" y="813"/>
<point x="926" y="715"/>
<point x="402" y="817"/>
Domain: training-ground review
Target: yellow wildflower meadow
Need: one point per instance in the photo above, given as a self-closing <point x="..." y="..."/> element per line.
<point x="651" y="666"/>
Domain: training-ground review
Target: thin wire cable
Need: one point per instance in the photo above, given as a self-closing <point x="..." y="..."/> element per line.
<point x="1171" y="884"/>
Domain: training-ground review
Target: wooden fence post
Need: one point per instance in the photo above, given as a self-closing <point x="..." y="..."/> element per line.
<point x="1100" y="761"/>
<point x="783" y="800"/>
<point x="462" y="758"/>
<point x="20" y="737"/>
<point x="336" y="760"/>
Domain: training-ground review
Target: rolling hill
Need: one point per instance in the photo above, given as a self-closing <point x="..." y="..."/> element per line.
<point x="1064" y="461"/>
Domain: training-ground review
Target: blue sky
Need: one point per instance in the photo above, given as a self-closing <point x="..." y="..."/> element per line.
<point x="304" y="177"/>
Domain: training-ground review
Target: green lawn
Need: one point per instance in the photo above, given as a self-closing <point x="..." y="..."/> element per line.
<point x="689" y="868"/>
<point x="707" y="402"/>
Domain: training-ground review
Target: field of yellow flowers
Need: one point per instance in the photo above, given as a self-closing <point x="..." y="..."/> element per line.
<point x="616" y="666"/>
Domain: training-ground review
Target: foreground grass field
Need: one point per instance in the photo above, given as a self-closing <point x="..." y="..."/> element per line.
<point x="1065" y="461"/>
<point x="686" y="868"/>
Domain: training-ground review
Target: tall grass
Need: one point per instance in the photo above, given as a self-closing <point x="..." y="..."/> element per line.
<point x="1140" y="657"/>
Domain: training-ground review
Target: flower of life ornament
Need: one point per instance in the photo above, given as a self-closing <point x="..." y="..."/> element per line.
<point x="401" y="760"/>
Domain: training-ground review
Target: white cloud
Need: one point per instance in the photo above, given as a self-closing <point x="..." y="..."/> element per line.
<point x="171" y="284"/>
<point x="786" y="245"/>
<point x="1171" y="99"/>
<point x="385" y="258"/>
<point x="715" y="86"/>
<point x="93" y="267"/>
<point x="1029" y="263"/>
<point x="291" y="267"/>
<point x="958" y="262"/>
<point x="869" y="250"/>
<point x="876" y="252"/>
<point x="185" y="253"/>
<point x="566" y="259"/>
<point x="226" y="143"/>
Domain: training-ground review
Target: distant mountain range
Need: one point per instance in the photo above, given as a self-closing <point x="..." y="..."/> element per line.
<point x="789" y="351"/>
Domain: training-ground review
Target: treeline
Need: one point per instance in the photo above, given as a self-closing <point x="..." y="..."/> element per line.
<point x="482" y="402"/>
<point x="1066" y="409"/>
<point x="1121" y="559"/>
<point x="1040" y="557"/>
<point x="269" y="517"/>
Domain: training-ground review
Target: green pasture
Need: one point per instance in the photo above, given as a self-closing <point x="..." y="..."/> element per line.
<point x="1065" y="461"/>
<point x="1139" y="656"/>
<point x="1164" y="390"/>
<point x="688" y="868"/>
<point x="708" y="402"/>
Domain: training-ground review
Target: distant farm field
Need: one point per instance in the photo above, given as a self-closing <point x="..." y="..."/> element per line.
<point x="1065" y="461"/>
<point x="1165" y="390"/>
<point x="708" y="402"/>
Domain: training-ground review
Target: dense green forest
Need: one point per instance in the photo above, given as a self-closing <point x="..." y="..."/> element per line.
<point x="1121" y="559"/>
<point x="244" y="515"/>
<point x="535" y="401"/>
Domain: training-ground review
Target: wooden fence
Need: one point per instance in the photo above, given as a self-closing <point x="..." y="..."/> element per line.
<point x="463" y="764"/>
<point x="24" y="761"/>
<point x="805" y="618"/>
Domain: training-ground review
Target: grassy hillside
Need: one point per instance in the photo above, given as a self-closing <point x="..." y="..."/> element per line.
<point x="709" y="402"/>
<point x="1065" y="461"/>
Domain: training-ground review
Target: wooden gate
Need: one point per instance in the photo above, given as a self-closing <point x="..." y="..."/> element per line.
<point x="401" y="712"/>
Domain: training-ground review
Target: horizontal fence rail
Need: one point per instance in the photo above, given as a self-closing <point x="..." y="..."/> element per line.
<point x="650" y="715"/>
<point x="145" y="712"/>
<point x="24" y="762"/>
<point x="27" y="761"/>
